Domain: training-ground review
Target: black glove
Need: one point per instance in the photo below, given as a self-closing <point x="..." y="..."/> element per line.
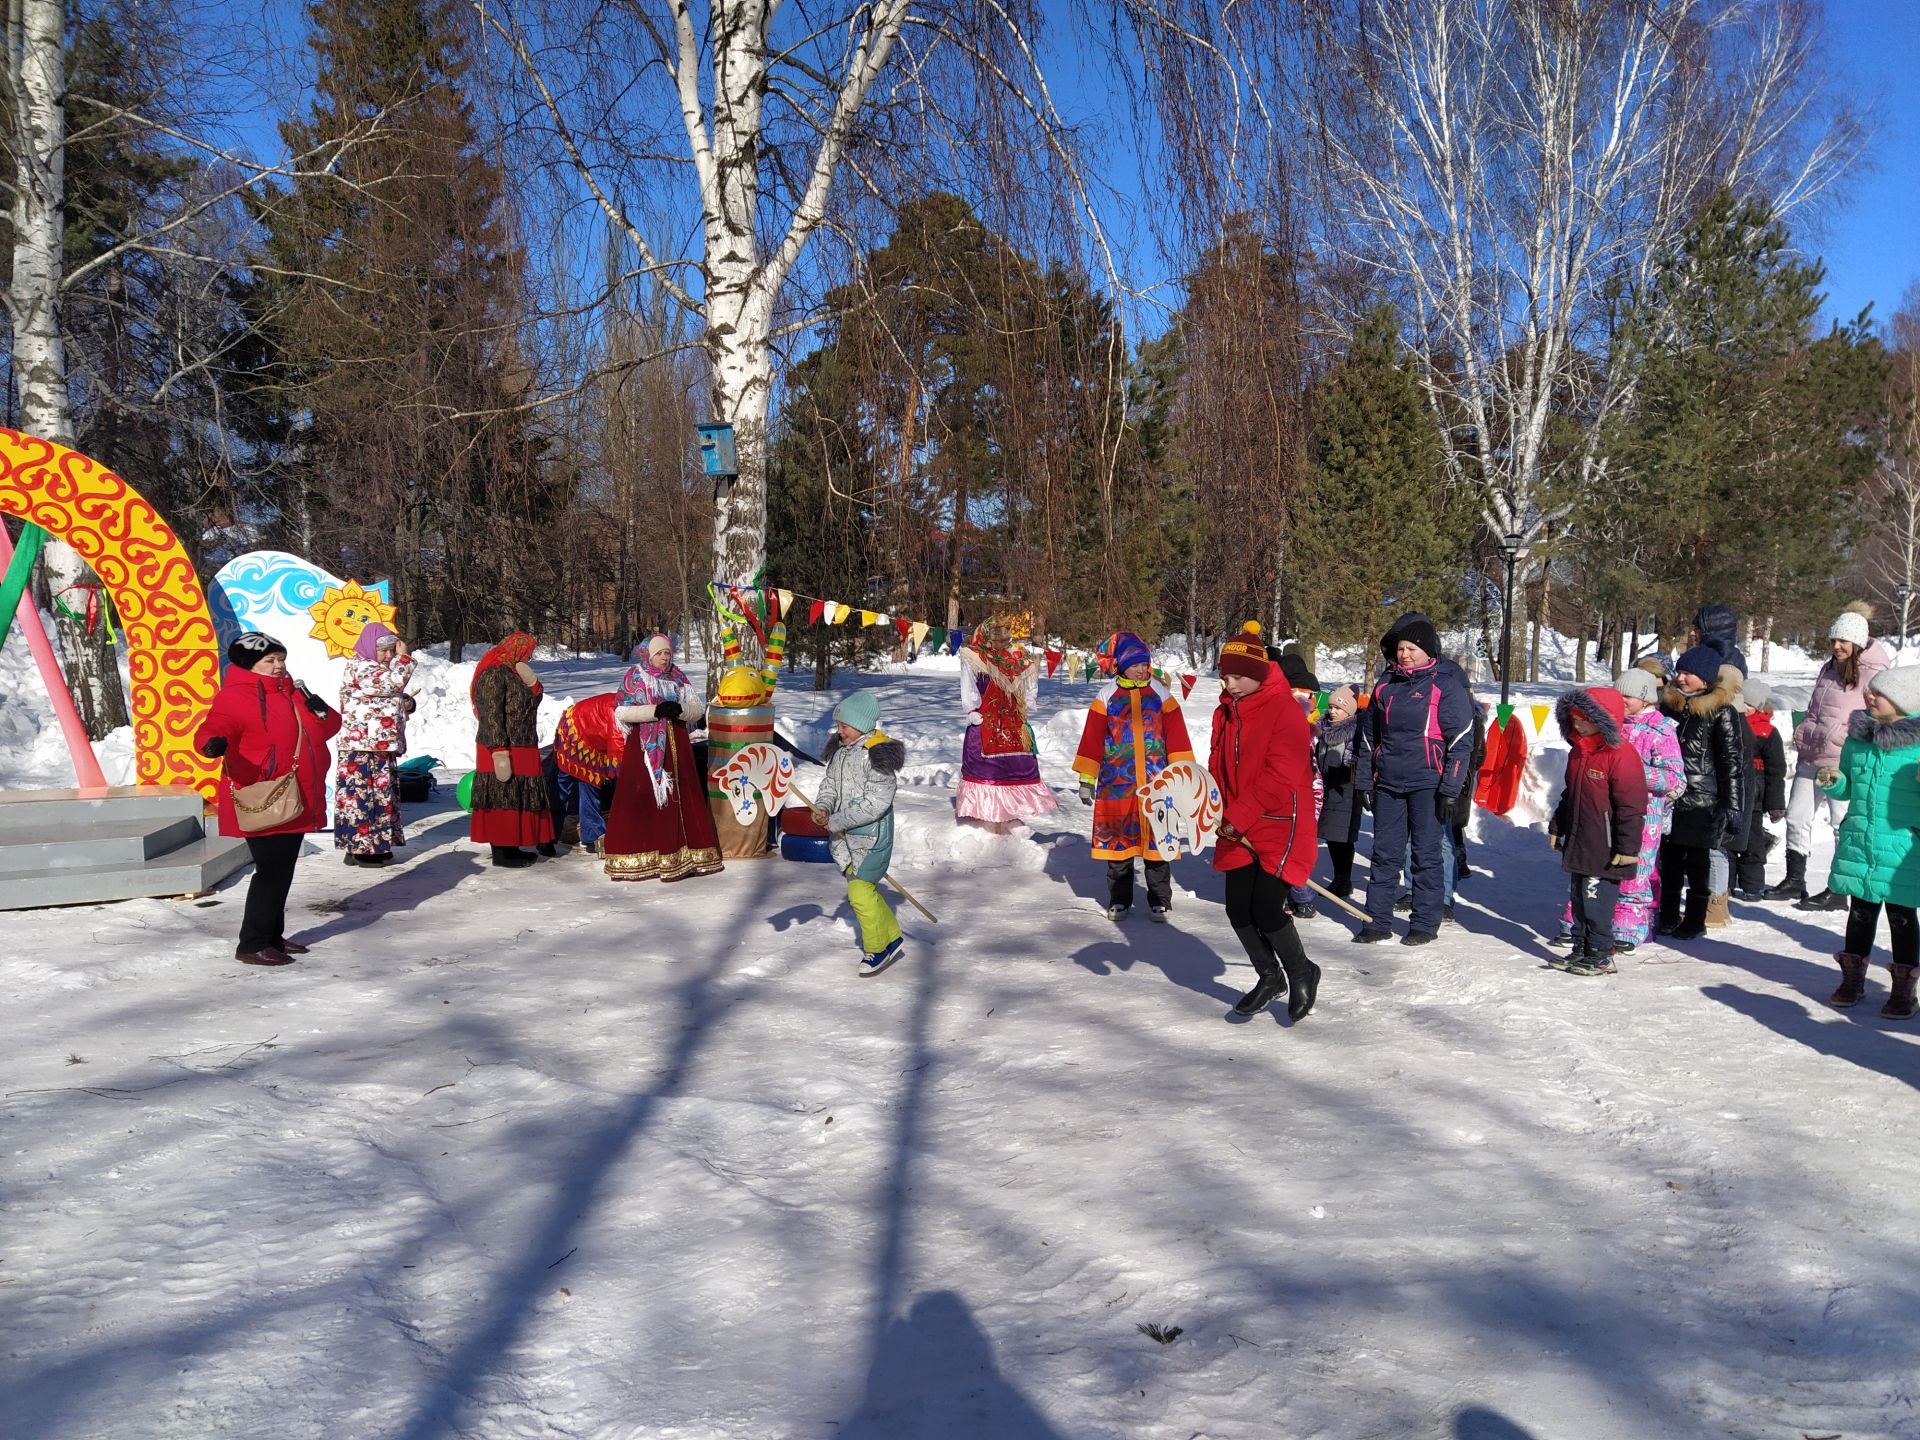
<point x="215" y="747"/>
<point x="1443" y="807"/>
<point x="316" y="705"/>
<point x="667" y="710"/>
<point x="1365" y="797"/>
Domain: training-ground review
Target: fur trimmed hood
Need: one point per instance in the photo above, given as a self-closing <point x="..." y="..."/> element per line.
<point x="1884" y="734"/>
<point x="887" y="756"/>
<point x="1725" y="691"/>
<point x="1599" y="705"/>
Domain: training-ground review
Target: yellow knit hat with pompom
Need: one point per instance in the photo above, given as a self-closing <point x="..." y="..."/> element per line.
<point x="1245" y="654"/>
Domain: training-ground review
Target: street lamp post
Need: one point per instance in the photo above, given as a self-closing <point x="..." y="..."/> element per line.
<point x="1509" y="547"/>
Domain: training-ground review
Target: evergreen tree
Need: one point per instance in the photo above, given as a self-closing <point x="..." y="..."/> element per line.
<point x="1377" y="532"/>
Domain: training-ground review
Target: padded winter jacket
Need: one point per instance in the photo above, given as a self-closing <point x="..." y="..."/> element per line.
<point x="1832" y="705"/>
<point x="268" y="725"/>
<point x="1333" y="758"/>
<point x="1603" y="804"/>
<point x="1417" y="732"/>
<point x="1263" y="762"/>
<point x="1875" y="857"/>
<point x="857" y="795"/>
<point x="1769" y="779"/>
<point x="373" y="705"/>
<point x="1715" y="748"/>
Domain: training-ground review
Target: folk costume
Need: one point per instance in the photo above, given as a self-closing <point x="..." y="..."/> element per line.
<point x="660" y="828"/>
<point x="373" y="737"/>
<point x="999" y="765"/>
<point x="1134" y="730"/>
<point x="587" y="749"/>
<point x="510" y="808"/>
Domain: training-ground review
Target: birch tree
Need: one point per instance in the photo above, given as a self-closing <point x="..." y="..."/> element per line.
<point x="788" y="123"/>
<point x="1510" y="172"/>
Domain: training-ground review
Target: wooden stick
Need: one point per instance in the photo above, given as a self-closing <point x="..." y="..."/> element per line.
<point x="1350" y="908"/>
<point x="905" y="893"/>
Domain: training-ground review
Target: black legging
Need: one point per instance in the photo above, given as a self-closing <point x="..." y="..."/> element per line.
<point x="1683" y="881"/>
<point x="1903" y="931"/>
<point x="264" y="921"/>
<point x="1258" y="900"/>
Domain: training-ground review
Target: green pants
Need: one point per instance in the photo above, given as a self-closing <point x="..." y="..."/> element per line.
<point x="878" y="928"/>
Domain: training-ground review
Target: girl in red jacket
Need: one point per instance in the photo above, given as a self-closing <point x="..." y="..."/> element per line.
<point x="1263" y="762"/>
<point x="262" y="725"/>
<point x="1596" y="826"/>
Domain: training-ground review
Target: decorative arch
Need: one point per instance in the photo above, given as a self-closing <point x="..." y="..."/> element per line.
<point x="172" y="660"/>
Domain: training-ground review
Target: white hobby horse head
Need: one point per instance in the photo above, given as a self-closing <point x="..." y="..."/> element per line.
<point x="757" y="772"/>
<point x="1182" y="804"/>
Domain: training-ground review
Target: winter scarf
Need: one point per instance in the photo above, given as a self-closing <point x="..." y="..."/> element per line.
<point x="646" y="684"/>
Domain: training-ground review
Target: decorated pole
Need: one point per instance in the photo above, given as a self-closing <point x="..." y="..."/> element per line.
<point x="86" y="765"/>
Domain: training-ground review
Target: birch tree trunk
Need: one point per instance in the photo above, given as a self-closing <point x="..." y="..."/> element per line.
<point x="36" y="64"/>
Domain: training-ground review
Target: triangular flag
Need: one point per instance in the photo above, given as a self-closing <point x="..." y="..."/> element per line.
<point x="905" y="627"/>
<point x="917" y="634"/>
<point x="957" y="637"/>
<point x="936" y="637"/>
<point x="1186" y="685"/>
<point x="836" y="612"/>
<point x="815" y="611"/>
<point x="1322" y="699"/>
<point x="1799" y="718"/>
<point x="786" y="602"/>
<point x="1540" y="714"/>
<point x="1054" y="657"/>
<point x="868" y="617"/>
<point x="1501" y="715"/>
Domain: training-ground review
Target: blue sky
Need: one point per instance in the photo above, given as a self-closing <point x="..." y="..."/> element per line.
<point x="1872" y="248"/>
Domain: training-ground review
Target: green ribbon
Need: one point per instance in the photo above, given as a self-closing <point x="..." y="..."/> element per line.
<point x="19" y="575"/>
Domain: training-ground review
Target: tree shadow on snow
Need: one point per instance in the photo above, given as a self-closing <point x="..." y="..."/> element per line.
<point x="1186" y="960"/>
<point x="933" y="1375"/>
<point x="1882" y="1051"/>
<point x="1478" y="1423"/>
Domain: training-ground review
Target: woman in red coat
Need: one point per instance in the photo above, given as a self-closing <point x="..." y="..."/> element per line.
<point x="1263" y="762"/>
<point x="263" y="724"/>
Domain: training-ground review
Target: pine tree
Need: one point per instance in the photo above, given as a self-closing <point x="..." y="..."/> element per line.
<point x="1377" y="532"/>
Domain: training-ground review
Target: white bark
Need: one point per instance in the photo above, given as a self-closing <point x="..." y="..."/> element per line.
<point x="36" y="78"/>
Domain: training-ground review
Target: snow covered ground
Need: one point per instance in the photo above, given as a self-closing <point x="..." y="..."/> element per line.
<point x="530" y="1154"/>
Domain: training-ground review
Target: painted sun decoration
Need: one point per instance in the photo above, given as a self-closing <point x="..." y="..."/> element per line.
<point x="342" y="612"/>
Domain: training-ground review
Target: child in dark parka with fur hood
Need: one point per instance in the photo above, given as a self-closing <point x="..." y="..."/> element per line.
<point x="1597" y="824"/>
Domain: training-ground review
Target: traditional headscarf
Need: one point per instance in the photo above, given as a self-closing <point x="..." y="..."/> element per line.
<point x="648" y="684"/>
<point x="509" y="652"/>
<point x="367" y="647"/>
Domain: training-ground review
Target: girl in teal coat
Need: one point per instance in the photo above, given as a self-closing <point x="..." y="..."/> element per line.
<point x="1876" y="860"/>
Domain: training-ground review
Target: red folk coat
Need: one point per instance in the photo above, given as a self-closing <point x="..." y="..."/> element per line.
<point x="266" y="723"/>
<point x="1263" y="762"/>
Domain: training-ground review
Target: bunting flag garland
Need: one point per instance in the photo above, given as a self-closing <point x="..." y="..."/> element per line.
<point x="837" y="613"/>
<point x="959" y="638"/>
<point x="1186" y="685"/>
<point x="1502" y="714"/>
<point x="1054" y="657"/>
<point x="916" y="632"/>
<point x="905" y="627"/>
<point x="786" y="602"/>
<point x="1799" y="718"/>
<point x="815" y="611"/>
<point x="937" y="637"/>
<point x="1540" y="714"/>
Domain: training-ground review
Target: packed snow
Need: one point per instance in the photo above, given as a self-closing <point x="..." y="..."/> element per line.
<point x="532" y="1154"/>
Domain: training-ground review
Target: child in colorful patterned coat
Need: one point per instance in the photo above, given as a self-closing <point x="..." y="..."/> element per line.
<point x="1134" y="730"/>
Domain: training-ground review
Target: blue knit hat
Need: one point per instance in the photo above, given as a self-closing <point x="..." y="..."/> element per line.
<point x="1128" y="650"/>
<point x="860" y="710"/>
<point x="1701" y="660"/>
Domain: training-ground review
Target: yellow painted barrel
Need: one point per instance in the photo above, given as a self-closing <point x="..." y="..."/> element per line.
<point x="729" y="731"/>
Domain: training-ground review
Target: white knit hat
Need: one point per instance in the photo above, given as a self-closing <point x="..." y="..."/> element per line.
<point x="1637" y="684"/>
<point x="1852" y="628"/>
<point x="1755" y="694"/>
<point x="1901" y="685"/>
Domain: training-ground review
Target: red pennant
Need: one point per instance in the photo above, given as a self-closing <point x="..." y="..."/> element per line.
<point x="905" y="627"/>
<point x="1186" y="685"/>
<point x="1054" y="657"/>
<point x="815" y="611"/>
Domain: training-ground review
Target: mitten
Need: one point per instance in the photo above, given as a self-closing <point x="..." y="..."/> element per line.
<point x="1776" y="816"/>
<point x="215" y="747"/>
<point x="973" y="717"/>
<point x="1826" y="776"/>
<point x="667" y="710"/>
<point x="502" y="766"/>
<point x="1443" y="808"/>
<point x="1086" y="792"/>
<point x="1553" y="841"/>
<point x="1365" y="799"/>
<point x="525" y="672"/>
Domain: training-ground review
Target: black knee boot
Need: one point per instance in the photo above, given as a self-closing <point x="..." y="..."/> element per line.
<point x="1303" y="976"/>
<point x="1273" y="980"/>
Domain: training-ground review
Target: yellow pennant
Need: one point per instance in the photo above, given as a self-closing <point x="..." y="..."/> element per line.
<point x="1540" y="714"/>
<point x="917" y="633"/>
<point x="867" y="617"/>
<point x="786" y="602"/>
<point x="836" y="612"/>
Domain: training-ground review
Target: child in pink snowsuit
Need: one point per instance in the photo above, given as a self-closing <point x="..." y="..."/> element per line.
<point x="1655" y="738"/>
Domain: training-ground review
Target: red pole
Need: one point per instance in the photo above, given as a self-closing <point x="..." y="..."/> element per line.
<point x="86" y="765"/>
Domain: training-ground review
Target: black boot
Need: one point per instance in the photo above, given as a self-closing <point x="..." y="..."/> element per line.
<point x="1273" y="980"/>
<point x="1303" y="976"/>
<point x="1693" y="923"/>
<point x="1825" y="900"/>
<point x="511" y="857"/>
<point x="1793" y="886"/>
